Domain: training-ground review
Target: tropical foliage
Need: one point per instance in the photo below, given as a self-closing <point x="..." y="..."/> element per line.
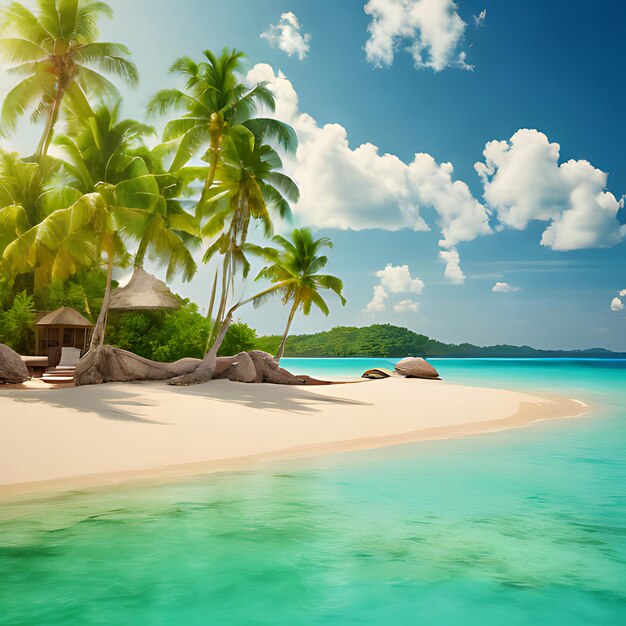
<point x="216" y="104"/>
<point x="58" y="58"/>
<point x="16" y="324"/>
<point x="106" y="196"/>
<point x="173" y="335"/>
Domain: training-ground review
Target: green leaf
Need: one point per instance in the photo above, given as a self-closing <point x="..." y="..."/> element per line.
<point x="15" y="50"/>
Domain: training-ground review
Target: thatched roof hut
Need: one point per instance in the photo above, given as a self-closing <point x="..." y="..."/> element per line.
<point x="64" y="317"/>
<point x="64" y="327"/>
<point x="143" y="292"/>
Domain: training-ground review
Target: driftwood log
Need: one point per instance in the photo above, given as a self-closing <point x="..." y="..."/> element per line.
<point x="12" y="369"/>
<point x="106" y="364"/>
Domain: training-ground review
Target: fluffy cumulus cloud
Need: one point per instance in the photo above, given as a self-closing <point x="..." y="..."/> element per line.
<point x="524" y="181"/>
<point x="504" y="288"/>
<point x="398" y="279"/>
<point x="430" y="30"/>
<point x="394" y="279"/>
<point x="377" y="303"/>
<point x="453" y="271"/>
<point x="359" y="188"/>
<point x="617" y="305"/>
<point x="406" y="306"/>
<point x="287" y="35"/>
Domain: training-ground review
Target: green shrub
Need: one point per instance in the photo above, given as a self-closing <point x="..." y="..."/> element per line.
<point x="239" y="338"/>
<point x="183" y="334"/>
<point x="16" y="324"/>
<point x="171" y="335"/>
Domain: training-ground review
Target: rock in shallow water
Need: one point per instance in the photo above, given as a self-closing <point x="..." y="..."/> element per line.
<point x="416" y="367"/>
<point x="12" y="369"/>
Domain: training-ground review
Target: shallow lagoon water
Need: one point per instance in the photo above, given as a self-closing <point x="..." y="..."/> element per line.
<point x="520" y="527"/>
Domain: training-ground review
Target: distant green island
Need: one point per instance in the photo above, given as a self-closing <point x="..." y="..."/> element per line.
<point x="389" y="341"/>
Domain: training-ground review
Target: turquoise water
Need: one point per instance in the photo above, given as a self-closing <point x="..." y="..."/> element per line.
<point x="525" y="527"/>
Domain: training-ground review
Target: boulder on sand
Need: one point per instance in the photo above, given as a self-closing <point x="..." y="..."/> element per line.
<point x="416" y="367"/>
<point x="12" y="369"/>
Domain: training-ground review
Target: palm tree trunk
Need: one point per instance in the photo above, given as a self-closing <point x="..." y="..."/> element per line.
<point x="97" y="339"/>
<point x="209" y="313"/>
<point x="215" y="157"/>
<point x="140" y="255"/>
<point x="283" y="341"/>
<point x="44" y="143"/>
<point x="223" y="300"/>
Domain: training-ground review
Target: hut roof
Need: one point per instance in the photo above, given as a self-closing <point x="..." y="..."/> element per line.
<point x="143" y="291"/>
<point x="64" y="317"/>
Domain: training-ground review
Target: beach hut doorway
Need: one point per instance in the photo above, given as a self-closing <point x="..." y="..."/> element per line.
<point x="63" y="328"/>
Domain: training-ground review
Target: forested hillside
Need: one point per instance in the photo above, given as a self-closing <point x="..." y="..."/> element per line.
<point x="386" y="340"/>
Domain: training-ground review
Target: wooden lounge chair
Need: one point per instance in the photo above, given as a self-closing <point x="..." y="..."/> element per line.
<point x="64" y="371"/>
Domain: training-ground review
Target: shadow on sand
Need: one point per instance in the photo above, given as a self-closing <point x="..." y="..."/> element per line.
<point x="120" y="401"/>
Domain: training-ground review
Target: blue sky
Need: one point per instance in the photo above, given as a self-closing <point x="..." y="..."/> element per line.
<point x="555" y="67"/>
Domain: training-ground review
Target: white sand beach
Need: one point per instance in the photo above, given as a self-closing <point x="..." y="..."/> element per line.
<point x="88" y="436"/>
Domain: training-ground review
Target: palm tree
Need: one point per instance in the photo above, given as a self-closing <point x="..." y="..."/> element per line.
<point x="57" y="51"/>
<point x="171" y="233"/>
<point x="216" y="102"/>
<point x="250" y="189"/>
<point x="22" y="187"/>
<point x="296" y="266"/>
<point x="94" y="229"/>
<point x="100" y="149"/>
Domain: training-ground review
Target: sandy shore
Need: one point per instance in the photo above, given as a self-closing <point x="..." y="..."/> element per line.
<point x="90" y="436"/>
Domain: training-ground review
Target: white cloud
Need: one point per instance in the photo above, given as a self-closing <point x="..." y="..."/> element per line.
<point x="523" y="182"/>
<point x="287" y="36"/>
<point x="504" y="288"/>
<point x="617" y="305"/>
<point x="394" y="279"/>
<point x="453" y="271"/>
<point x="479" y="19"/>
<point x="398" y="279"/>
<point x="359" y="188"/>
<point x="377" y="303"/>
<point x="430" y="30"/>
<point x="406" y="306"/>
<point x="622" y="293"/>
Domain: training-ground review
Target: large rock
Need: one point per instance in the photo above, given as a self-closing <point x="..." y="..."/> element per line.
<point x="416" y="367"/>
<point x="12" y="369"/>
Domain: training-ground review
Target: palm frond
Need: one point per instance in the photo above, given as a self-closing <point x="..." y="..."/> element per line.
<point x="190" y="144"/>
<point x="165" y="100"/>
<point x="271" y="130"/>
<point x="67" y="13"/>
<point x="18" y="19"/>
<point x="23" y="96"/>
<point x="333" y="283"/>
<point x="95" y="83"/>
<point x="16" y="50"/>
<point x="111" y="64"/>
<point x="285" y="185"/>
